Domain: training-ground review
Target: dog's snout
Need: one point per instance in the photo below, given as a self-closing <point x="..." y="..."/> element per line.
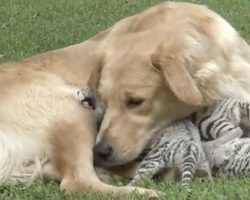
<point x="103" y="150"/>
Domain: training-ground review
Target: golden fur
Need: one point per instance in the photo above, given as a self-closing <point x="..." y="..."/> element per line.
<point x="44" y="130"/>
<point x="174" y="59"/>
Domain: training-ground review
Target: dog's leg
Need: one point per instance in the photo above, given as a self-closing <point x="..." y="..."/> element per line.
<point x="50" y="173"/>
<point x="72" y="144"/>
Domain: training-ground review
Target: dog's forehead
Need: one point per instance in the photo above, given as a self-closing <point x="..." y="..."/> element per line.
<point x="129" y="66"/>
<point x="123" y="79"/>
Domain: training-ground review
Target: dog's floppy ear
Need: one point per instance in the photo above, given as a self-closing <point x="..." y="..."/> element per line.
<point x="95" y="75"/>
<point x="177" y="77"/>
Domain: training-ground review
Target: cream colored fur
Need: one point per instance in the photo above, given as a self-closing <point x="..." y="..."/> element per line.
<point x="44" y="130"/>
<point x="176" y="58"/>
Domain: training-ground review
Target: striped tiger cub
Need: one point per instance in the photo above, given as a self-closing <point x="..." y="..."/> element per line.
<point x="217" y="151"/>
<point x="230" y="155"/>
<point x="175" y="145"/>
<point x="223" y="118"/>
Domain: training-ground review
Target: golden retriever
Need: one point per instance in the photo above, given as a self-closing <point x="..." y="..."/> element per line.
<point x="153" y="67"/>
<point x="43" y="127"/>
<point x="174" y="59"/>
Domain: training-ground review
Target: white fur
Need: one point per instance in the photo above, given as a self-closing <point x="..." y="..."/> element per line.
<point x="21" y="158"/>
<point x="23" y="154"/>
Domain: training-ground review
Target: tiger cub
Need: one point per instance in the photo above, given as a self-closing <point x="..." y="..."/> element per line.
<point x="225" y="117"/>
<point x="215" y="150"/>
<point x="231" y="157"/>
<point x="175" y="145"/>
<point x="223" y="124"/>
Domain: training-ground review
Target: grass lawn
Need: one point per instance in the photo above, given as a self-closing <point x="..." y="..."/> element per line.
<point x="28" y="27"/>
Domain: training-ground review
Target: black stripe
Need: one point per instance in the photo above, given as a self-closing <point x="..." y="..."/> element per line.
<point x="246" y="166"/>
<point x="228" y="130"/>
<point x="207" y="116"/>
<point x="247" y="150"/>
<point x="221" y="122"/>
<point x="247" y="109"/>
<point x="222" y="109"/>
<point x="223" y="126"/>
<point x="239" y="165"/>
<point x="238" y="148"/>
<point x="188" y="169"/>
<point x="176" y="149"/>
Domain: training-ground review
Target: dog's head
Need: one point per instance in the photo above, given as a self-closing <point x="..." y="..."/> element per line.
<point x="141" y="91"/>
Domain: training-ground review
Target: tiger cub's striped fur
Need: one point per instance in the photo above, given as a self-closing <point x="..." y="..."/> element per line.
<point x="215" y="150"/>
<point x="229" y="154"/>
<point x="236" y="156"/>
<point x="176" y="145"/>
<point x="223" y="118"/>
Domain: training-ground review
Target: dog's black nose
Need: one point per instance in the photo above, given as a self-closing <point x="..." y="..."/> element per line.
<point x="103" y="150"/>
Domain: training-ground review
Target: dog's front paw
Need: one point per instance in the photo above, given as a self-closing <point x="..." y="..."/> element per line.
<point x="151" y="194"/>
<point x="68" y="186"/>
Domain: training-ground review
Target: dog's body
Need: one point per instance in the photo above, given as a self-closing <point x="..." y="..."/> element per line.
<point x="31" y="108"/>
<point x="39" y="114"/>
<point x="44" y="130"/>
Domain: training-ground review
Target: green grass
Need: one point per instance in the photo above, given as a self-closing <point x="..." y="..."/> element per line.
<point x="28" y="27"/>
<point x="219" y="189"/>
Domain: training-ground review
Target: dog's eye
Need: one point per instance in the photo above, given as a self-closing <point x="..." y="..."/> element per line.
<point x="134" y="102"/>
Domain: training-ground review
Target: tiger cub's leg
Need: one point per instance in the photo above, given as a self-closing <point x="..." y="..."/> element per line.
<point x="149" y="166"/>
<point x="215" y="150"/>
<point x="204" y="170"/>
<point x="222" y="127"/>
<point x="233" y="134"/>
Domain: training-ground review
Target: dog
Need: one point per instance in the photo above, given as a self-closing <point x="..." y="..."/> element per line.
<point x="42" y="124"/>
<point x="44" y="129"/>
<point x="175" y="59"/>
